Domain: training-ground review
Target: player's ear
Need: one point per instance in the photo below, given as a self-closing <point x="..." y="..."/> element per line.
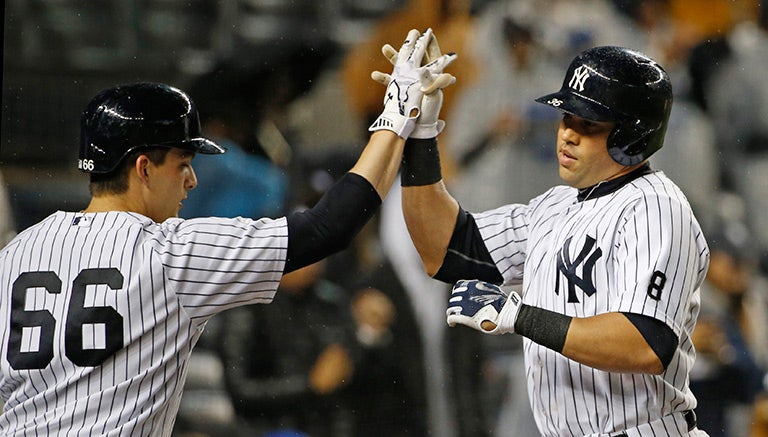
<point x="141" y="168"/>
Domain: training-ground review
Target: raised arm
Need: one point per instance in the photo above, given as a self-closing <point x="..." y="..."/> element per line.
<point x="430" y="211"/>
<point x="331" y="224"/>
<point x="380" y="160"/>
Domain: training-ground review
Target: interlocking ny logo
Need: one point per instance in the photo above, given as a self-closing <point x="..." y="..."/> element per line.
<point x="587" y="258"/>
<point x="579" y="78"/>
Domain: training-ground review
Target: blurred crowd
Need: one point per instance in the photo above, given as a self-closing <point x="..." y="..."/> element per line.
<point x="357" y="345"/>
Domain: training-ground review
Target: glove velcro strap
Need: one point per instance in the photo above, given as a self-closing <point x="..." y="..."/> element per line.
<point x="426" y="131"/>
<point x="401" y="125"/>
<point x="421" y="163"/>
<point x="544" y="327"/>
<point x="506" y="320"/>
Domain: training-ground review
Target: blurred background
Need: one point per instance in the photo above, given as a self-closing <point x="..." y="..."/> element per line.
<point x="285" y="84"/>
<point x="59" y="53"/>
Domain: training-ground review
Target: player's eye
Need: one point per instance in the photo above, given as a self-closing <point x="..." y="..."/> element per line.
<point x="590" y="127"/>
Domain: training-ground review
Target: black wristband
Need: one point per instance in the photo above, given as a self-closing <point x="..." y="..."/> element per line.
<point x="421" y="163"/>
<point x="544" y="327"/>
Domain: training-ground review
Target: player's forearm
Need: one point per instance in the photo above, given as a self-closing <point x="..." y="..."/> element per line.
<point x="430" y="214"/>
<point x="610" y="342"/>
<point x="380" y="160"/>
<point x="429" y="210"/>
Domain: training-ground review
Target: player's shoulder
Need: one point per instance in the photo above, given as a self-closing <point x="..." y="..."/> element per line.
<point x="53" y="221"/>
<point x="557" y="195"/>
<point x="655" y="185"/>
<point x="654" y="191"/>
<point x="220" y="230"/>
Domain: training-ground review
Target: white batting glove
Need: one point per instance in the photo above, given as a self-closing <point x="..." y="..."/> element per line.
<point x="409" y="81"/>
<point x="483" y="306"/>
<point x="428" y="125"/>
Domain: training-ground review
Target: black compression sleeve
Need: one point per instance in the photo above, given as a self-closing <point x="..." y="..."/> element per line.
<point x="467" y="255"/>
<point x="660" y="337"/>
<point x="332" y="224"/>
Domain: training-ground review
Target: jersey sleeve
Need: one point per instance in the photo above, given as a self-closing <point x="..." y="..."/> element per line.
<point x="505" y="233"/>
<point x="216" y="264"/>
<point x="660" y="259"/>
<point x="506" y="230"/>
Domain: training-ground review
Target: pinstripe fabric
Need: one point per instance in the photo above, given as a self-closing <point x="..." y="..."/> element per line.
<point x="638" y="249"/>
<point x="160" y="282"/>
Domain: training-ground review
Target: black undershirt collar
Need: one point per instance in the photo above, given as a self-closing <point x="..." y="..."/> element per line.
<point x="607" y="187"/>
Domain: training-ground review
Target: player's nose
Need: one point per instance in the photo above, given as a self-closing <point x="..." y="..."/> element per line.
<point x="191" y="179"/>
<point x="567" y="134"/>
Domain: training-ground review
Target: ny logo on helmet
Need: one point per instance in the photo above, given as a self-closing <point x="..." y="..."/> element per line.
<point x="579" y="78"/>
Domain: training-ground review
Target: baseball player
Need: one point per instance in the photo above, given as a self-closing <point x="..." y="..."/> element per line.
<point x="610" y="264"/>
<point x="100" y="308"/>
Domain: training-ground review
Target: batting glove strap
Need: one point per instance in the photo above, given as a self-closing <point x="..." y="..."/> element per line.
<point x="401" y="106"/>
<point x="508" y="316"/>
<point x="394" y="121"/>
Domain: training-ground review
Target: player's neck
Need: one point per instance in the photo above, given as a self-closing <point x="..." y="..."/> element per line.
<point x="111" y="203"/>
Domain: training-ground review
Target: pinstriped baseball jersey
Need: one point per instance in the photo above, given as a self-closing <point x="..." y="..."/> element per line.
<point x="100" y="312"/>
<point x="636" y="249"/>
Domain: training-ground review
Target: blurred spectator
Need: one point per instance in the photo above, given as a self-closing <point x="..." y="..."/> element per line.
<point x="242" y="182"/>
<point x="286" y="366"/>
<point x="731" y="335"/>
<point x="451" y="19"/>
<point x="494" y="129"/>
<point x="246" y="105"/>
<point x="737" y="100"/>
<point x="759" y="422"/>
<point x="243" y="108"/>
<point x="712" y="17"/>
<point x="385" y="400"/>
<point x="452" y="358"/>
<point x="570" y="26"/>
<point x="7" y="225"/>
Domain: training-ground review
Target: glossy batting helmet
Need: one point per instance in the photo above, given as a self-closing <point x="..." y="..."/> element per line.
<point x="623" y="86"/>
<point x="125" y="118"/>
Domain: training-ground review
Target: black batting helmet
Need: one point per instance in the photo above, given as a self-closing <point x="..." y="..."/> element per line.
<point x="623" y="86"/>
<point x="125" y="118"/>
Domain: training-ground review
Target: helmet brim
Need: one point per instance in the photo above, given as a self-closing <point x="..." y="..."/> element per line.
<point x="200" y="145"/>
<point x="208" y="147"/>
<point x="579" y="105"/>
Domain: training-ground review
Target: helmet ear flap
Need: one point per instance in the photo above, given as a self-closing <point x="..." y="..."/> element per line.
<point x="627" y="142"/>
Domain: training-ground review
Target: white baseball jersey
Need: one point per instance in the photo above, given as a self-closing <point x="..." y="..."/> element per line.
<point x="636" y="249"/>
<point x="100" y="313"/>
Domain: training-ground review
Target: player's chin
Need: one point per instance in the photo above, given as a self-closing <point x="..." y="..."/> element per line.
<point x="566" y="175"/>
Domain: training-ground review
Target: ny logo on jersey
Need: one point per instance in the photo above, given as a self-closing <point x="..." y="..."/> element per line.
<point x="586" y="258"/>
<point x="579" y="78"/>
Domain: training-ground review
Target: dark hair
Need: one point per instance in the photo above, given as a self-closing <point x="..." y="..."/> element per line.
<point x="116" y="182"/>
